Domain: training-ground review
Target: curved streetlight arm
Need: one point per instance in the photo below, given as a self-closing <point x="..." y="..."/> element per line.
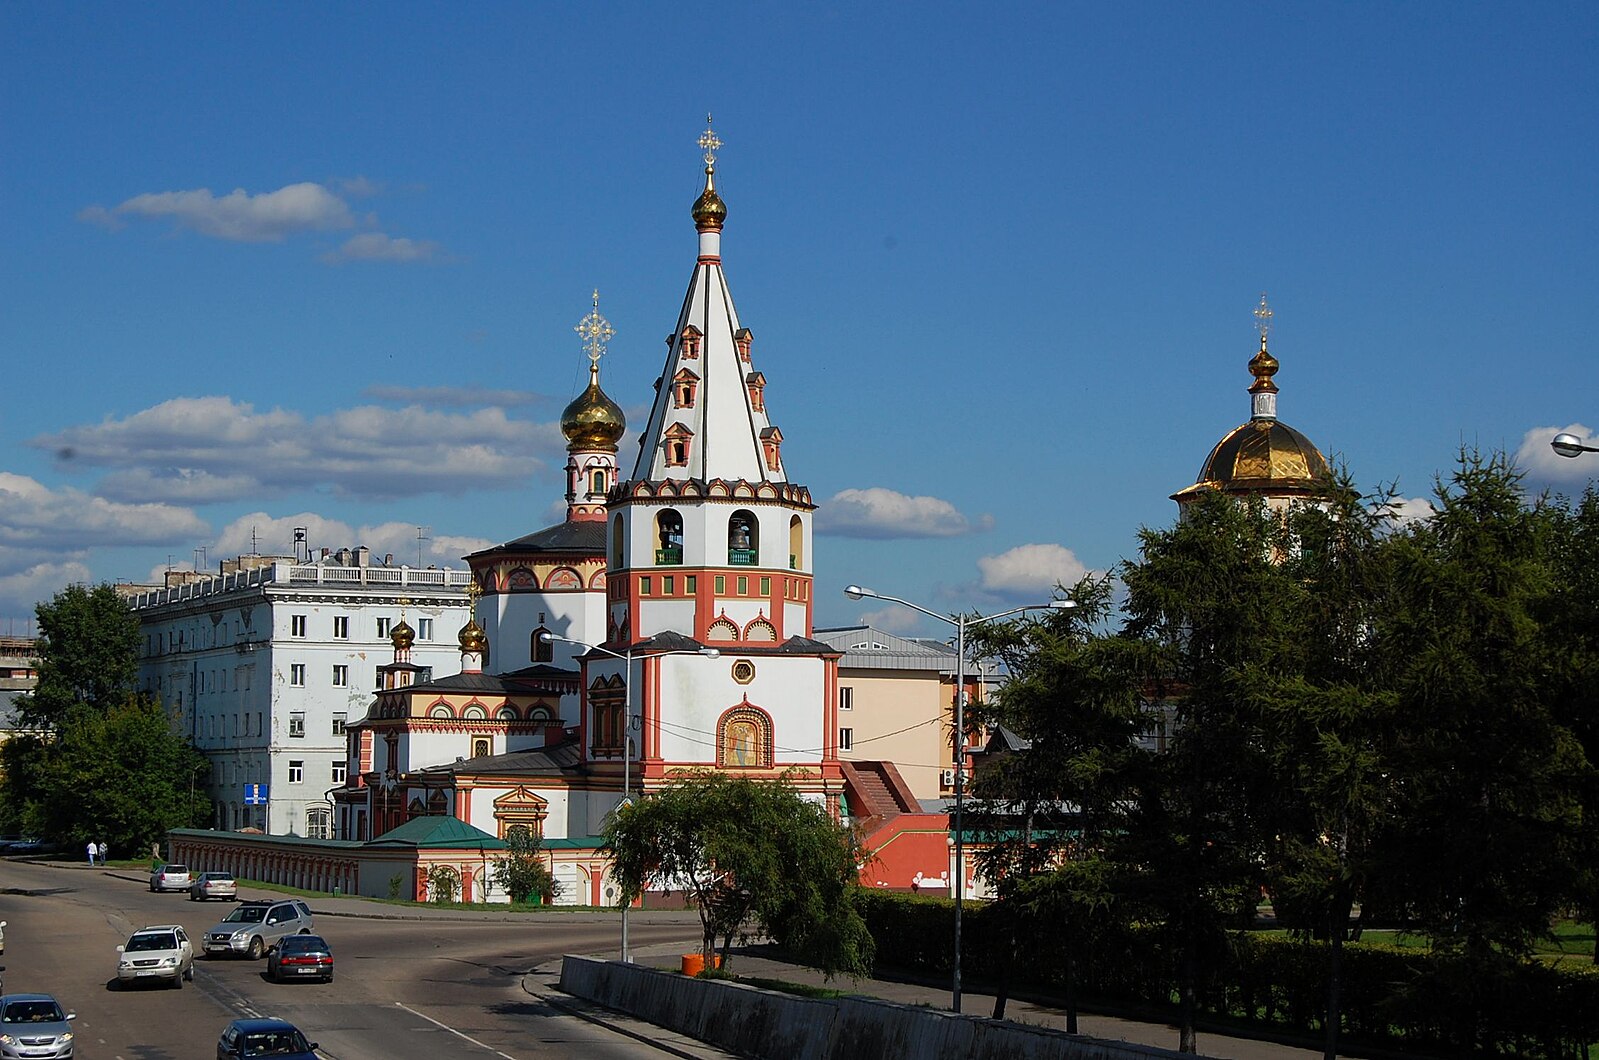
<point x="857" y="592"/>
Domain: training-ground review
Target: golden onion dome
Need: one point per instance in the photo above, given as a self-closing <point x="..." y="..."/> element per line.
<point x="1263" y="456"/>
<point x="593" y="420"/>
<point x="709" y="209"/>
<point x="402" y="635"/>
<point x="472" y="637"/>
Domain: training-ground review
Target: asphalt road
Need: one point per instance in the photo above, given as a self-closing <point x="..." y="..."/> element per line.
<point x="402" y="989"/>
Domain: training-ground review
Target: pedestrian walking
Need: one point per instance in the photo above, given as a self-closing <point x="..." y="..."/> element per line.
<point x="104" y="852"/>
<point x="93" y="850"/>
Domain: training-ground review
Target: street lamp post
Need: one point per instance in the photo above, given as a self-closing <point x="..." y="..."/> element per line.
<point x="960" y="622"/>
<point x="1570" y="445"/>
<point x="627" y="726"/>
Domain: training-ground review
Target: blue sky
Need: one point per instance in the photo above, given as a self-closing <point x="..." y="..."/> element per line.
<point x="268" y="266"/>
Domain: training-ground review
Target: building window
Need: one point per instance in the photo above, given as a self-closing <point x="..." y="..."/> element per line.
<point x="424" y="629"/>
<point x="296" y="771"/>
<point x="383" y="628"/>
<point x="644" y="586"/>
<point x="297" y="724"/>
<point x="684" y="383"/>
<point x="338" y="723"/>
<point x="846" y="698"/>
<point x="482" y="747"/>
<point x="297" y="675"/>
<point x="691" y="584"/>
<point x="766" y="587"/>
<point x="338" y="772"/>
<point x="668" y="585"/>
<point x="341" y="676"/>
<point x="743" y="585"/>
<point x="341" y="627"/>
<point x="296" y="625"/>
<point x="846" y="739"/>
<point x="542" y="651"/>
<point x="319" y="823"/>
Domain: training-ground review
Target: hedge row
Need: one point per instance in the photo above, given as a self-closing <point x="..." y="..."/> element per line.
<point x="1392" y="997"/>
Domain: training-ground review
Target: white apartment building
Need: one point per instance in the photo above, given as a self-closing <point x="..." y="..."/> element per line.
<point x="262" y="665"/>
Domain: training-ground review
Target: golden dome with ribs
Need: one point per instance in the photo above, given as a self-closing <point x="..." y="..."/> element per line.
<point x="593" y="420"/>
<point x="1262" y="456"/>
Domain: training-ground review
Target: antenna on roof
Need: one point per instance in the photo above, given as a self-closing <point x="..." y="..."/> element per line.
<point x="421" y="536"/>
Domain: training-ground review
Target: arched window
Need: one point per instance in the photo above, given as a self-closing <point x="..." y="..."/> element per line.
<point x="606" y="700"/>
<point x="474" y="712"/>
<point x="597" y="481"/>
<point x="722" y="629"/>
<point x="743" y="539"/>
<point x="669" y="531"/>
<point x="541" y="650"/>
<point x="482" y="747"/>
<point x="440" y="711"/>
<point x="796" y="544"/>
<point x="507" y="714"/>
<point x="760" y="630"/>
<point x="319" y="823"/>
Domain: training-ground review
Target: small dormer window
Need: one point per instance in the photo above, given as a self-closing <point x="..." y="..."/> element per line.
<point x="678" y="443"/>
<point x="742" y="339"/>
<point x="691" y="342"/>
<point x="685" y="384"/>
<point x="755" y="383"/>
<point x="772" y="446"/>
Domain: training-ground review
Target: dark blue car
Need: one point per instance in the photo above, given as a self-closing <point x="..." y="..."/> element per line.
<point x="244" y="1039"/>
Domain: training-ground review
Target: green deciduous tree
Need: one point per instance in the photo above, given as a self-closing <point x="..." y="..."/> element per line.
<point x="747" y="850"/>
<point x="88" y="644"/>
<point x="106" y="764"/>
<point x="521" y="873"/>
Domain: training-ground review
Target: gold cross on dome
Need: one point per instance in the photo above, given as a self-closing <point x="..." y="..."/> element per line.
<point x="709" y="143"/>
<point x="1263" y="317"/>
<point x="595" y="331"/>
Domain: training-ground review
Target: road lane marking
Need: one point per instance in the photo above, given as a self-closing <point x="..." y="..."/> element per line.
<point x="452" y="1030"/>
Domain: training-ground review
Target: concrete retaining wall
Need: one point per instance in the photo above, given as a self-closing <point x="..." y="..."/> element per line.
<point x="763" y="1023"/>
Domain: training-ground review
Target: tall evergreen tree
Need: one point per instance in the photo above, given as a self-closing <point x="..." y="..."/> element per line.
<point x="1486" y="807"/>
<point x="1210" y="607"/>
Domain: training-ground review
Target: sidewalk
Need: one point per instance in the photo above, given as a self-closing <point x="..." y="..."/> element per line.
<point x="760" y="962"/>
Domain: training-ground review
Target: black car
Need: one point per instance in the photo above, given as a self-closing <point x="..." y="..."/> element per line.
<point x="300" y="957"/>
<point x="243" y="1039"/>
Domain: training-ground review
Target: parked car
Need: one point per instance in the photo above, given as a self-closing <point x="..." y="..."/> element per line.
<point x="254" y="926"/>
<point x="162" y="953"/>
<point x="172" y="877"/>
<point x="300" y="957"/>
<point x="213" y="885"/>
<point x="33" y="1025"/>
<point x="244" y="1039"/>
<point x="31" y="846"/>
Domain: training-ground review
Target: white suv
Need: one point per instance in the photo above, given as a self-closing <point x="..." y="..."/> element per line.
<point x="253" y="927"/>
<point x="158" y="953"/>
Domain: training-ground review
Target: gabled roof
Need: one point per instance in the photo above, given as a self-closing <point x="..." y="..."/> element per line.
<point x="438" y="833"/>
<point x="867" y="647"/>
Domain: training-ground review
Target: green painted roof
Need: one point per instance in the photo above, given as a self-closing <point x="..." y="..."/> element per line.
<point x="438" y="833"/>
<point x="587" y="842"/>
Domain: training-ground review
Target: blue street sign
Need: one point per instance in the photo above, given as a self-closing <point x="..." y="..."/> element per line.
<point x="255" y="794"/>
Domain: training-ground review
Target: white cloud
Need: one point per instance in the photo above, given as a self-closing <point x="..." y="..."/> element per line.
<point x="34" y="516"/>
<point x="360" y="187"/>
<point x="901" y="620"/>
<point x="102" y="218"/>
<point x="1032" y="570"/>
<point x="274" y="536"/>
<point x="266" y="217"/>
<point x="21" y="589"/>
<point x="876" y="512"/>
<point x="454" y="396"/>
<point x="1543" y="464"/>
<point x="1407" y="510"/>
<point x="213" y="449"/>
<point x="376" y="246"/>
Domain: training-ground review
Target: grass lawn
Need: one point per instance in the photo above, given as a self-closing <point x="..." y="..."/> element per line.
<point x="1570" y="942"/>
